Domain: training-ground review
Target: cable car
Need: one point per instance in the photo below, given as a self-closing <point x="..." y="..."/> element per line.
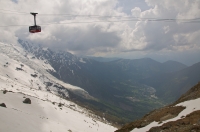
<point x="35" y="28"/>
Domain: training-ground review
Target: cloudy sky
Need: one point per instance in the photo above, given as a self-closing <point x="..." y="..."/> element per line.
<point x="159" y="29"/>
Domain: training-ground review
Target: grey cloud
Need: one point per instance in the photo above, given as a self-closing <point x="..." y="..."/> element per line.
<point x="82" y="40"/>
<point x="105" y="38"/>
<point x="154" y="33"/>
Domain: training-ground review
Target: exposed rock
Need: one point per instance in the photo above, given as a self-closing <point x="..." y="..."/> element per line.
<point x="5" y="91"/>
<point x="27" y="101"/>
<point x="156" y="129"/>
<point x="143" y="124"/>
<point x="186" y="124"/>
<point x="34" y="75"/>
<point x="3" y="105"/>
<point x="193" y="93"/>
<point x="158" y="115"/>
<point x="19" y="69"/>
<point x="167" y="117"/>
<point x="60" y="105"/>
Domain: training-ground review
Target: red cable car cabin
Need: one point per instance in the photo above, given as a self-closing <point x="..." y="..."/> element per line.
<point x="34" y="29"/>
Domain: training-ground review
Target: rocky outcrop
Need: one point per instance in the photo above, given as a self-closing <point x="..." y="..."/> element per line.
<point x="5" y="91"/>
<point x="158" y="115"/>
<point x="191" y="123"/>
<point x="193" y="93"/>
<point x="188" y="123"/>
<point x="3" y="105"/>
<point x="27" y="101"/>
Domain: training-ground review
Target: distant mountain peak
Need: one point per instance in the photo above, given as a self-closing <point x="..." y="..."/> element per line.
<point x="172" y="61"/>
<point x="172" y="66"/>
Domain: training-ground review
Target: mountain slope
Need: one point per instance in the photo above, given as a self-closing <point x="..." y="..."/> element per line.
<point x="46" y="115"/>
<point x="23" y="75"/>
<point x="171" y="86"/>
<point x="182" y="116"/>
<point x="22" y="67"/>
<point x="173" y="66"/>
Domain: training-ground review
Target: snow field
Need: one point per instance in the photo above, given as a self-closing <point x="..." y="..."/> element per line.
<point x="44" y="116"/>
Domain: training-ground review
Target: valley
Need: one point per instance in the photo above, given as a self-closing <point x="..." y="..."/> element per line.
<point x="123" y="89"/>
<point x="119" y="91"/>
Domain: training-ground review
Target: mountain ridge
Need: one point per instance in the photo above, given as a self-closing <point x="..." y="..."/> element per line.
<point x="174" y="117"/>
<point x="179" y="82"/>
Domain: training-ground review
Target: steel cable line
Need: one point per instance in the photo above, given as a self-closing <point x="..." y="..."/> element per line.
<point x="119" y="20"/>
<point x="103" y="16"/>
<point x="79" y="22"/>
<point x="142" y="19"/>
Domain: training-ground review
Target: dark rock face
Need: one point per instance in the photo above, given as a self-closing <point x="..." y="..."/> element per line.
<point x="3" y="105"/>
<point x="34" y="75"/>
<point x="5" y="91"/>
<point x="19" y="69"/>
<point x="27" y="101"/>
<point x="60" y="105"/>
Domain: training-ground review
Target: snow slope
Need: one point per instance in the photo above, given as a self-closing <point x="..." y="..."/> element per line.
<point x="14" y="57"/>
<point x="191" y="106"/>
<point x="27" y="76"/>
<point x="44" y="116"/>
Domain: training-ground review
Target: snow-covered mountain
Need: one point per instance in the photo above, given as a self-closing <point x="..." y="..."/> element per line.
<point x="59" y="60"/>
<point x="22" y="66"/>
<point x="25" y="75"/>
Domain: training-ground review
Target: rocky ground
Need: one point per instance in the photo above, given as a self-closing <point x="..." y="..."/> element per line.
<point x="188" y="123"/>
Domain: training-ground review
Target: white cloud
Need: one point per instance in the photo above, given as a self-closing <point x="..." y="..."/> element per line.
<point x="158" y="39"/>
<point x="136" y="12"/>
<point x="104" y="37"/>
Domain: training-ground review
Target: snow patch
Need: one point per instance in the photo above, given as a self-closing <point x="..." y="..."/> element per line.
<point x="81" y="60"/>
